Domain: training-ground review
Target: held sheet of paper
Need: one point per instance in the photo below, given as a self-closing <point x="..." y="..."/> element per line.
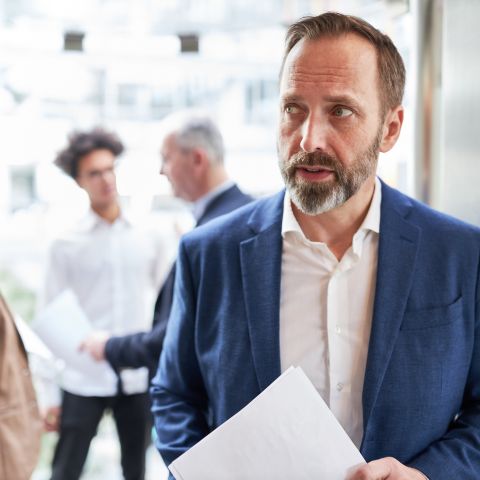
<point x="62" y="326"/>
<point x="287" y="432"/>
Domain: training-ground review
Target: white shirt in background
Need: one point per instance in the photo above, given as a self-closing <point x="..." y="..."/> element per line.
<point x="115" y="270"/>
<point x="326" y="309"/>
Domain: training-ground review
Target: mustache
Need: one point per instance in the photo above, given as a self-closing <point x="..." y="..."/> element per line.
<point x="313" y="159"/>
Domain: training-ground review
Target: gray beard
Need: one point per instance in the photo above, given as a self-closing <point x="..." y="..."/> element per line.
<point x="314" y="201"/>
<point x="313" y="198"/>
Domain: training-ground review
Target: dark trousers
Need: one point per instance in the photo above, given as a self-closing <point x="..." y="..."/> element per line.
<point x="78" y="425"/>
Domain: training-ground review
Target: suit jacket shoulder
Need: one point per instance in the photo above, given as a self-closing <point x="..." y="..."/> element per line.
<point x="229" y="200"/>
<point x="243" y="222"/>
<point x="422" y="214"/>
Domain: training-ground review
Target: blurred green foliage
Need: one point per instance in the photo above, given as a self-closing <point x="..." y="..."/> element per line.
<point x="20" y="298"/>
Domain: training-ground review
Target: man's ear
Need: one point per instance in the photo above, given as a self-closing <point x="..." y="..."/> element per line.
<point x="200" y="159"/>
<point x="391" y="128"/>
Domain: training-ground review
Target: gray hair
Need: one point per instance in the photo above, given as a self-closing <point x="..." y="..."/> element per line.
<point x="197" y="131"/>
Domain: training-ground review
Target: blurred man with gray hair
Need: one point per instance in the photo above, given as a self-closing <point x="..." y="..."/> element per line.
<point x="192" y="154"/>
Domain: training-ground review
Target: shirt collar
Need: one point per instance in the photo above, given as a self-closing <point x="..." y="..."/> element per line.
<point x="199" y="206"/>
<point x="371" y="221"/>
<point x="289" y="222"/>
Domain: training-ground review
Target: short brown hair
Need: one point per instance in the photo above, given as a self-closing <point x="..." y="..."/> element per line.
<point x="81" y="144"/>
<point x="390" y="64"/>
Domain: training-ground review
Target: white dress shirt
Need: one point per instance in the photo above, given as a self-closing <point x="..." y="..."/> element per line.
<point x="114" y="270"/>
<point x="326" y="309"/>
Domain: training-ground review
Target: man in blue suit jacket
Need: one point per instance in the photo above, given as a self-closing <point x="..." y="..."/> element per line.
<point x="192" y="151"/>
<point x="416" y="336"/>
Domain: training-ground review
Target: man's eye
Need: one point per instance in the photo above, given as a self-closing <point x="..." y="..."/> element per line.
<point x="342" y="112"/>
<point x="291" y="109"/>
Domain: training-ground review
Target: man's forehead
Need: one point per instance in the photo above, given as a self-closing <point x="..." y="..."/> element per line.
<point x="331" y="61"/>
<point x="295" y="73"/>
<point x="99" y="156"/>
<point x="168" y="141"/>
<point x="340" y="54"/>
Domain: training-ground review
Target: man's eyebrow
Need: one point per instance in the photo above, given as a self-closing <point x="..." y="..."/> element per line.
<point x="347" y="100"/>
<point x="344" y="100"/>
<point x="291" y="99"/>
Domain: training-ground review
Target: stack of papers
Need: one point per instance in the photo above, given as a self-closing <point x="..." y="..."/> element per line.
<point x="287" y="432"/>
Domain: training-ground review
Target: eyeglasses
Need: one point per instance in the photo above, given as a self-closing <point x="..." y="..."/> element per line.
<point x="96" y="175"/>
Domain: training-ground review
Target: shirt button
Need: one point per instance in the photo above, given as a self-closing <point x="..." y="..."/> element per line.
<point x="338" y="329"/>
<point x="340" y="386"/>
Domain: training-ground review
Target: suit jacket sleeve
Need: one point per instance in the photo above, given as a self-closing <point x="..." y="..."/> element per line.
<point x="179" y="399"/>
<point x="457" y="453"/>
<point x="137" y="350"/>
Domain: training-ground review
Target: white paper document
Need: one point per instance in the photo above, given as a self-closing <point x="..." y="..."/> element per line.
<point x="31" y="341"/>
<point x="287" y="432"/>
<point x="62" y="326"/>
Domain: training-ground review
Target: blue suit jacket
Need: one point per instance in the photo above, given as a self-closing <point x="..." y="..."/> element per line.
<point x="421" y="397"/>
<point x="143" y="349"/>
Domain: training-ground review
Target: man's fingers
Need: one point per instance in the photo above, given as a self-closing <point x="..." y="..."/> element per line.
<point x="382" y="468"/>
<point x="51" y="419"/>
<point x="375" y="470"/>
<point x="387" y="468"/>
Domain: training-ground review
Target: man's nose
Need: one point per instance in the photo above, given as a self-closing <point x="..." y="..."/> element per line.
<point x="107" y="175"/>
<point x="314" y="134"/>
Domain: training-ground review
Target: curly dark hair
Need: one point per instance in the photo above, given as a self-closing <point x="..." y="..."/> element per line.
<point x="81" y="144"/>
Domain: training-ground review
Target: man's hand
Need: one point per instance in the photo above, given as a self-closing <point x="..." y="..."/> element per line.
<point x="51" y="418"/>
<point x="94" y="344"/>
<point x="386" y="469"/>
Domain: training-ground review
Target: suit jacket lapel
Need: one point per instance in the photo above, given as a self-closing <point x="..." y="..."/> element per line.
<point x="398" y="243"/>
<point x="260" y="258"/>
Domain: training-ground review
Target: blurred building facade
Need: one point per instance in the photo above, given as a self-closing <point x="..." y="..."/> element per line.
<point x="125" y="64"/>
